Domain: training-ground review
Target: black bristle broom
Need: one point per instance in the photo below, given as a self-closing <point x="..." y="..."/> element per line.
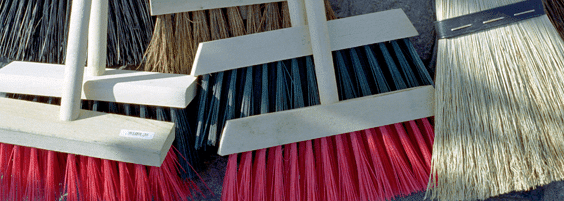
<point x="298" y="173"/>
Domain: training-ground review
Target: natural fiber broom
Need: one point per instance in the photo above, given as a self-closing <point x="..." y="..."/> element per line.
<point x="498" y="107"/>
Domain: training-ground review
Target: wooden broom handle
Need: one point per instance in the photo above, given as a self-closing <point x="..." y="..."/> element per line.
<point x="75" y="60"/>
<point x="297" y="12"/>
<point x="321" y="47"/>
<point x="98" y="38"/>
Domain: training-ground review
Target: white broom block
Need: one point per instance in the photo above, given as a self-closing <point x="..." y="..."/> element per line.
<point x="314" y="122"/>
<point x="321" y="48"/>
<point x="123" y="86"/>
<point x="97" y="38"/>
<point x="95" y="134"/>
<point x="294" y="42"/>
<point x="161" y="7"/>
<point x="75" y="60"/>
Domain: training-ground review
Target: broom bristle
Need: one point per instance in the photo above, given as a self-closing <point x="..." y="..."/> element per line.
<point x="34" y="187"/>
<point x="93" y="179"/>
<point x="259" y="183"/>
<point x="143" y="188"/>
<point x="125" y="185"/>
<point x="109" y="183"/>
<point x="52" y="178"/>
<point x="229" y="192"/>
<point x="71" y="179"/>
<point x="499" y="126"/>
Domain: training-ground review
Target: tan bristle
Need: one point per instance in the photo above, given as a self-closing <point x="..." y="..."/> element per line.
<point x="236" y="24"/>
<point x="499" y="109"/>
<point x="218" y="25"/>
<point x="158" y="54"/>
<point x="254" y="17"/>
<point x="272" y="17"/>
<point x="329" y="11"/>
<point x="185" y="49"/>
<point x="286" y="20"/>
<point x="200" y="28"/>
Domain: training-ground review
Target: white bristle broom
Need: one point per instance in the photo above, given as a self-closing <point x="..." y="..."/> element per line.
<point x="499" y="108"/>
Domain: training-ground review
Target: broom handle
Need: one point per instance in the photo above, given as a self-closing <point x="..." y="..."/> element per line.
<point x="75" y="60"/>
<point x="297" y="12"/>
<point x="323" y="60"/>
<point x="98" y="38"/>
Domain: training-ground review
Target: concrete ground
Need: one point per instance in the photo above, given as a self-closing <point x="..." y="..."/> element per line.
<point x="421" y="13"/>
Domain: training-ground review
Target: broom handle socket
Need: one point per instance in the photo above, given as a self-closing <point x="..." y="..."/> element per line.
<point x="297" y="12"/>
<point x="75" y="60"/>
<point x="97" y="38"/>
<point x="321" y="47"/>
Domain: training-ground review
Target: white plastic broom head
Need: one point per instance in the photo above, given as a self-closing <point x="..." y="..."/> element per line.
<point x="319" y="38"/>
<point x="71" y="130"/>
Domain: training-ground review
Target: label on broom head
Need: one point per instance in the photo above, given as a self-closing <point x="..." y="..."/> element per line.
<point x="137" y="134"/>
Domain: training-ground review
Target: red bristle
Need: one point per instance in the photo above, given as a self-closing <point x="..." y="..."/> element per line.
<point x="178" y="189"/>
<point x="291" y="173"/>
<point x="109" y="180"/>
<point x="275" y="177"/>
<point x="17" y="178"/>
<point x="229" y="192"/>
<point x="93" y="179"/>
<point x="125" y="185"/>
<point x="329" y="169"/>
<point x="428" y="132"/>
<point x="71" y="179"/>
<point x="244" y="177"/>
<point x="310" y="178"/>
<point x="405" y="179"/>
<point x="159" y="189"/>
<point x="34" y="187"/>
<point x="379" y="163"/>
<point x="301" y="170"/>
<point x="347" y="184"/>
<point x="319" y="170"/>
<point x="83" y="174"/>
<point x="53" y="177"/>
<point x="142" y="188"/>
<point x="417" y="166"/>
<point x="365" y="171"/>
<point x="419" y="141"/>
<point x="259" y="172"/>
<point x="6" y="167"/>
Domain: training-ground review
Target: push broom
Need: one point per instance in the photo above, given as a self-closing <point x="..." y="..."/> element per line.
<point x="147" y="148"/>
<point x="202" y="46"/>
<point x="498" y="100"/>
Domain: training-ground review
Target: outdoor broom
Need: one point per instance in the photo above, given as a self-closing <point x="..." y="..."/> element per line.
<point x="109" y="192"/>
<point x="498" y="100"/>
<point x="290" y="184"/>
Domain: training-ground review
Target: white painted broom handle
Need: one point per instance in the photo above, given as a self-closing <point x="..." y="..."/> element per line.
<point x="75" y="60"/>
<point x="297" y="12"/>
<point x="97" y="38"/>
<point x="321" y="48"/>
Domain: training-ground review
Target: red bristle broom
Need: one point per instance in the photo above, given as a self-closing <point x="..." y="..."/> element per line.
<point x="85" y="178"/>
<point x="276" y="182"/>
